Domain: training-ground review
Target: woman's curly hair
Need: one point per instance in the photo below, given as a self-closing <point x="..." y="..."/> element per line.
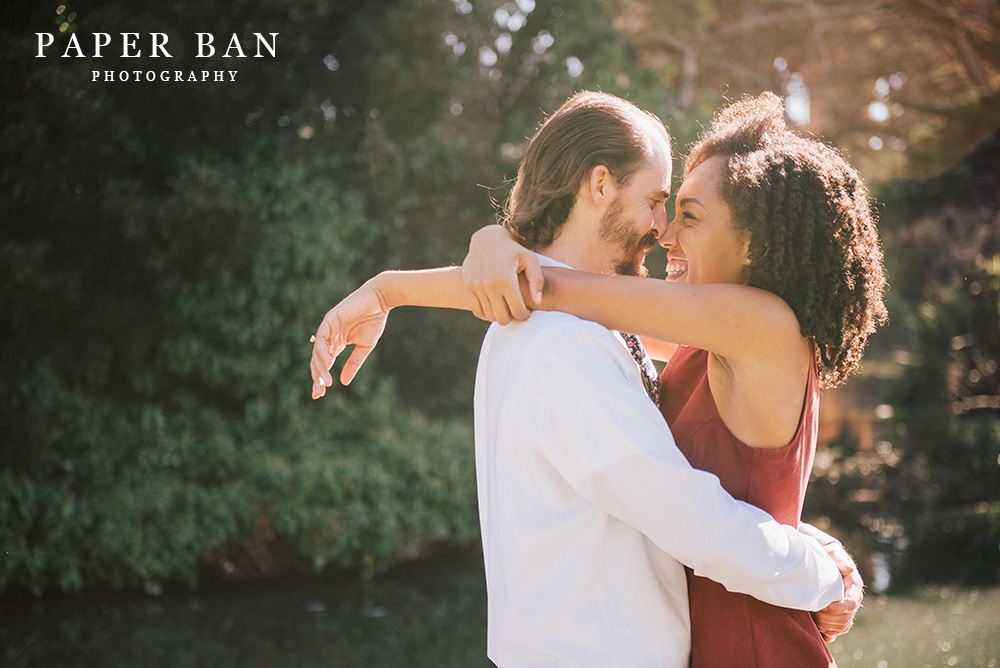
<point x="813" y="240"/>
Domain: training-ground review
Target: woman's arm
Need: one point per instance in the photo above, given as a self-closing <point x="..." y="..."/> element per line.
<point x="359" y="319"/>
<point x="733" y="321"/>
<point x="440" y="288"/>
<point x="759" y="362"/>
<point x="490" y="273"/>
<point x="658" y="350"/>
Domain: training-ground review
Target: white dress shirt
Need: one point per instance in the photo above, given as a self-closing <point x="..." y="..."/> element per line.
<point x="589" y="512"/>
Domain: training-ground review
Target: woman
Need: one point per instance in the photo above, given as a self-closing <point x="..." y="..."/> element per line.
<point x="775" y="281"/>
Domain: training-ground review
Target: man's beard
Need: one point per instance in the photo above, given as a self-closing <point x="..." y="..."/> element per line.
<point x="617" y="230"/>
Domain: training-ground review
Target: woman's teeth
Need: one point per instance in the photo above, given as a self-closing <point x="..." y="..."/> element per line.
<point x="676" y="268"/>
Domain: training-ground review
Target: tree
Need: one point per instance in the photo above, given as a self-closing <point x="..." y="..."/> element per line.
<point x="929" y="484"/>
<point x="906" y="87"/>
<point x="457" y="91"/>
<point x="167" y="250"/>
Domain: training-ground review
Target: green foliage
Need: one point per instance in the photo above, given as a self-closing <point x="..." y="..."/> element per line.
<point x="220" y="456"/>
<point x="180" y="254"/>
<point x="166" y="250"/>
<point x="947" y="397"/>
<point x="455" y="96"/>
<point x="931" y="485"/>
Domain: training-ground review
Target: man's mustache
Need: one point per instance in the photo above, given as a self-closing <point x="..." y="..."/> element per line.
<point x="646" y="243"/>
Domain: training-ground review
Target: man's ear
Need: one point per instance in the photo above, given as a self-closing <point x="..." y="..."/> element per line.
<point x="601" y="187"/>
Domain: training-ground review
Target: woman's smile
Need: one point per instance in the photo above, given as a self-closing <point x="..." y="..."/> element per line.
<point x="676" y="267"/>
<point x="703" y="244"/>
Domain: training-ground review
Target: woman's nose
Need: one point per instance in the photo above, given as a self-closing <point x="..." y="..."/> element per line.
<point x="668" y="237"/>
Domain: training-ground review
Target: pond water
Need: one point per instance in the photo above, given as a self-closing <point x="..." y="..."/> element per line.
<point x="429" y="614"/>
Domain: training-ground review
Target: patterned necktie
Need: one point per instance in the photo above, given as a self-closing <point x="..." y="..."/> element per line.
<point x="649" y="379"/>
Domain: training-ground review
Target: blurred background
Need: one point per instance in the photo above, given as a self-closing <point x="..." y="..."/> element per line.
<point x="168" y="490"/>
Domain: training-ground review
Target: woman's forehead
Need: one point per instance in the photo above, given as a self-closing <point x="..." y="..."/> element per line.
<point x="705" y="177"/>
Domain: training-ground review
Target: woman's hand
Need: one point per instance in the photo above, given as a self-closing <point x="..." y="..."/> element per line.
<point x="838" y="617"/>
<point x="490" y="276"/>
<point x="359" y="320"/>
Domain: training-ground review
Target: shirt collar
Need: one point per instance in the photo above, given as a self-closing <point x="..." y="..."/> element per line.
<point x="546" y="261"/>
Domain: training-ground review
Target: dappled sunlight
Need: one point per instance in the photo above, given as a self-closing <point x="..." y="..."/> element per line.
<point x="179" y="244"/>
<point x="930" y="628"/>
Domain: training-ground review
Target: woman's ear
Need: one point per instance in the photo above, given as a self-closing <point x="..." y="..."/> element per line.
<point x="745" y="248"/>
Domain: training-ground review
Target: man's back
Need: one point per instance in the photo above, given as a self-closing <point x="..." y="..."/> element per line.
<point x="568" y="582"/>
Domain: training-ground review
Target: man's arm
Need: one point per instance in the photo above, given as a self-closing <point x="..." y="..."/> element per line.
<point x="599" y="430"/>
<point x="838" y="617"/>
<point x="821" y="537"/>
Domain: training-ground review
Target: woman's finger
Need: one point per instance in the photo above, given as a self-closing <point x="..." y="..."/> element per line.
<point x="472" y="297"/>
<point x="319" y="385"/>
<point x="510" y="290"/>
<point x="354" y="363"/>
<point x="536" y="280"/>
<point x="499" y="310"/>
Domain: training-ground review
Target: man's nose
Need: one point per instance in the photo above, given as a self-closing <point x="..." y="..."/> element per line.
<point x="660" y="223"/>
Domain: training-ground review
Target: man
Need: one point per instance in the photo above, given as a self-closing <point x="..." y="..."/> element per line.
<point x="589" y="512"/>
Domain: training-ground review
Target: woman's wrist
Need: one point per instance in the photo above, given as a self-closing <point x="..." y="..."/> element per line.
<point x="386" y="290"/>
<point x="439" y="288"/>
<point x="554" y="290"/>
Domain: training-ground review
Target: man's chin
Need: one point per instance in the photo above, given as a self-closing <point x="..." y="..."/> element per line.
<point x="634" y="264"/>
<point x="639" y="266"/>
<point x="633" y="269"/>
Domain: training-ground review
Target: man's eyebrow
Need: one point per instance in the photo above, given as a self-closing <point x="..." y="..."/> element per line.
<point x="660" y="194"/>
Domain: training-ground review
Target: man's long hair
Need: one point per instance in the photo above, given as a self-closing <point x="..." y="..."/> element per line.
<point x="588" y="130"/>
<point x="813" y="240"/>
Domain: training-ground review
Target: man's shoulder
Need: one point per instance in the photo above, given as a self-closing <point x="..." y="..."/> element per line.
<point x="552" y="339"/>
<point x="545" y="327"/>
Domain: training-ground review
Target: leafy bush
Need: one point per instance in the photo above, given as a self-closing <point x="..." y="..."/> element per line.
<point x="213" y="452"/>
<point x="928" y="491"/>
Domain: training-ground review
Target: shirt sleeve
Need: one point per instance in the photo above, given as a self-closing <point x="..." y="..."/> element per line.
<point x="822" y="537"/>
<point x="600" y="431"/>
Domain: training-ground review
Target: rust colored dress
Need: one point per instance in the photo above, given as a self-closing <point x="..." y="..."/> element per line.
<point x="735" y="630"/>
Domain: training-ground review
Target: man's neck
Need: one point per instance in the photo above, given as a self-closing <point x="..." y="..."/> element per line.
<point x="580" y="256"/>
